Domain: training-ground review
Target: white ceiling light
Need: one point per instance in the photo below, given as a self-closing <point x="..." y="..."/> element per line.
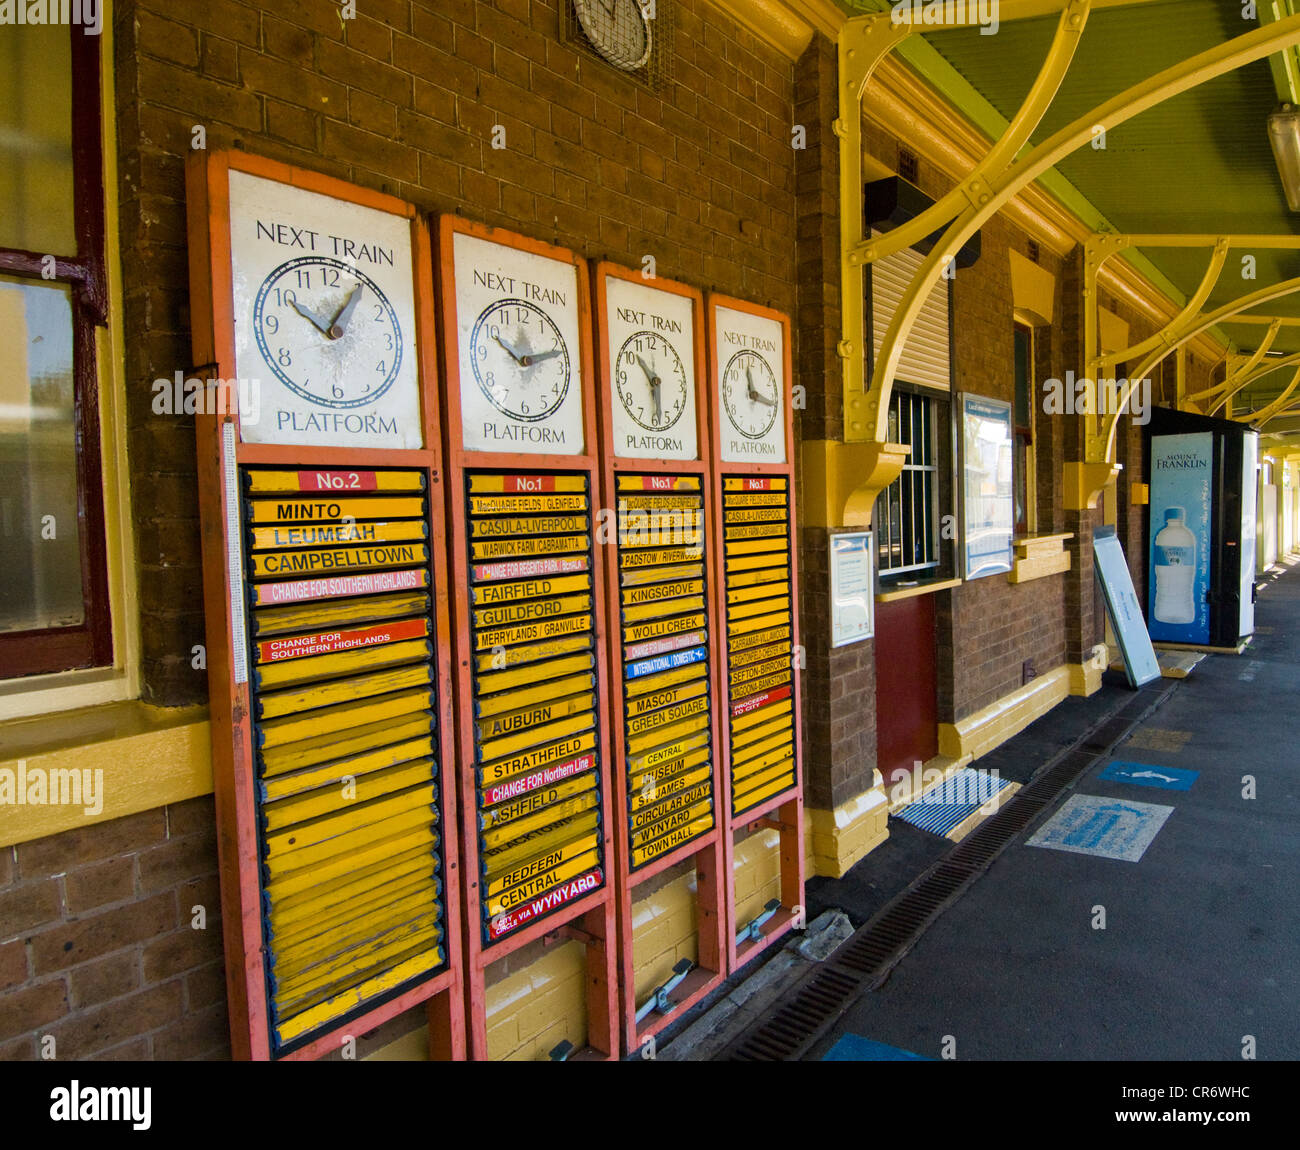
<point x="1284" y="135"/>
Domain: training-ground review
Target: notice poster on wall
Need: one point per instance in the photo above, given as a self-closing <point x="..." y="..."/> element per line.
<point x="987" y="495"/>
<point x="1182" y="469"/>
<point x="853" y="588"/>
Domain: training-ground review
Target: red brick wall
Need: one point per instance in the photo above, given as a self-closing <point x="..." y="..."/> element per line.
<point x="97" y="949"/>
<point x="404" y="98"/>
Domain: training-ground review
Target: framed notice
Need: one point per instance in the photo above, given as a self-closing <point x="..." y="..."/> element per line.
<point x="987" y="441"/>
<point x="853" y="592"/>
<point x="1125" y="611"/>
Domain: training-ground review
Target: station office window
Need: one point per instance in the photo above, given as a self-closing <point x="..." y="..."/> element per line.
<point x="908" y="519"/>
<point x="53" y="594"/>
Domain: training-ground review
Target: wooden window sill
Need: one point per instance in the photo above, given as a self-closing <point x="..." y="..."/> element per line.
<point x="1038" y="556"/>
<point x="893" y="592"/>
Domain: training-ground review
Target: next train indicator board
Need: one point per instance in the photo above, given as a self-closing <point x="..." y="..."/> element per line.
<point x="757" y="610"/>
<point x="326" y="603"/>
<point x="662" y="640"/>
<point x="529" y="610"/>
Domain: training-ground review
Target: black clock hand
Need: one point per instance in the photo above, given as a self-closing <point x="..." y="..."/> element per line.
<point x="311" y="316"/>
<point x="537" y="357"/>
<point x="340" y="324"/>
<point x="759" y="397"/>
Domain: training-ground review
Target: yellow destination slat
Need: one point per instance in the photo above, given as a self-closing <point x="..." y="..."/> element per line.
<point x="529" y="548"/>
<point x="277" y="564"/>
<point x="754" y="514"/>
<point x="762" y="591"/>
<point x="777" y="573"/>
<point x="533" y="675"/>
<point x="756" y="531"/>
<point x="335" y="771"/>
<point x="655" y="610"/>
<point x="775" y="725"/>
<point x="765" y="762"/>
<point x="754" y="547"/>
<point x="744" y="690"/>
<point x="770" y="557"/>
<point x="327" y="973"/>
<point x="668" y="804"/>
<point x="270" y="592"/>
<point x="739" y="611"/>
<point x="513" y="865"/>
<point x="412" y="865"/>
<point x="747" y="483"/>
<point x="632" y="596"/>
<point x="365" y="905"/>
<point x="683" y="710"/>
<point x="541" y="525"/>
<point x="757" y="639"/>
<point x="295" y="700"/>
<point x="341" y="847"/>
<point x="323" y="752"/>
<point x="758" y="670"/>
<point x="755" y="499"/>
<point x="291" y="671"/>
<point x="533" y="801"/>
<point x="757" y="623"/>
<point x="543" y="503"/>
<point x="382" y="852"/>
<point x="536" y="758"/>
<point x="672" y="840"/>
<point x="499" y="748"/>
<point x="338" y="612"/>
<point x="290" y="482"/>
<point x="325" y="800"/>
<point x="317" y="643"/>
<point x="294" y="955"/>
<point x="518" y="656"/>
<point x="284" y="840"/>
<point x="641" y="578"/>
<point x="320" y="724"/>
<point x="659" y="628"/>
<point x="479" y="484"/>
<point x="664" y="679"/>
<point x="658" y="774"/>
<point x="542" y="631"/>
<point x="755" y="782"/>
<point x="761" y="716"/>
<point x="278" y="538"/>
<point x="658" y="556"/>
<point x="659" y="483"/>
<point x="639" y="763"/>
<point x="762" y="794"/>
<point x="531" y="888"/>
<point x="660" y="502"/>
<point x="488" y="593"/>
<point x="671" y="822"/>
<point x="653" y="792"/>
<point x="316" y="508"/>
<point x="642" y="528"/>
<point x="756" y="750"/>
<point x="537" y="713"/>
<point x="347" y="1001"/>
<point x="659" y="735"/>
<point x="530" y="611"/>
<point x="745" y="658"/>
<point x="643" y="704"/>
<point x="369" y="968"/>
<point x="499" y="836"/>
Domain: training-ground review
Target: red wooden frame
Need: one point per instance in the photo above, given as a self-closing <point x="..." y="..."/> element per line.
<point x="782" y="812"/>
<point x="589" y="918"/>
<point x="705" y="851"/>
<point x="211" y="303"/>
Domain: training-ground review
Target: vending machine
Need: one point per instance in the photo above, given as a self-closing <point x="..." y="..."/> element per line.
<point x="1201" y="549"/>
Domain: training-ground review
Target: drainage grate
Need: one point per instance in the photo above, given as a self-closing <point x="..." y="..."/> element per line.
<point x="865" y="960"/>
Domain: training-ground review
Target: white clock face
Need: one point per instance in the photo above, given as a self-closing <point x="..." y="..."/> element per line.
<point x="751" y="386"/>
<point x="324" y="311"/>
<point x="518" y="334"/>
<point x="650" y="342"/>
<point x="618" y="29"/>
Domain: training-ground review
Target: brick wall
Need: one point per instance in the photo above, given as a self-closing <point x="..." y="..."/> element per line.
<point x="404" y="98"/>
<point x="97" y="947"/>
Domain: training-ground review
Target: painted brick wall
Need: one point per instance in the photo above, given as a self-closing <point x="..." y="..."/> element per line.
<point x="404" y="98"/>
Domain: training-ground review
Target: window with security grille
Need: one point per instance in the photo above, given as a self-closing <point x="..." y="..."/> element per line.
<point x="907" y="514"/>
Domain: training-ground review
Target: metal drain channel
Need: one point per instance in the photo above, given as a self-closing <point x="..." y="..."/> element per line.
<point x="865" y="960"/>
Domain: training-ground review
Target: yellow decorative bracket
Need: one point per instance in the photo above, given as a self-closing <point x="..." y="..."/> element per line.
<point x="840" y="481"/>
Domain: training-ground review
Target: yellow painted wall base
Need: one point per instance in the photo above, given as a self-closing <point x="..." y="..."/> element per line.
<point x="531" y="1011"/>
<point x="979" y="733"/>
<point x="412" y="1047"/>
<point x="1085" y="678"/>
<point x="663" y="933"/>
<point x="837" y="839"/>
<point x="756" y="871"/>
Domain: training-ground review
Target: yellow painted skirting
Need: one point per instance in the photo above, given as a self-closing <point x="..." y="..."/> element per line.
<point x="149" y="756"/>
<point x="979" y="733"/>
<point x="936" y="770"/>
<point x="837" y="839"/>
<point x="1085" y="677"/>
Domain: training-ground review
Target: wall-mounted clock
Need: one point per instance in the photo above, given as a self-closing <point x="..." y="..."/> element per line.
<point x="751" y="365"/>
<point x="324" y="319"/>
<point x="648" y="344"/>
<point x="520" y="361"/>
<point x="620" y="30"/>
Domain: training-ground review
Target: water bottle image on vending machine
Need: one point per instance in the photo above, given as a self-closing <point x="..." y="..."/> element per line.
<point x="1175" y="569"/>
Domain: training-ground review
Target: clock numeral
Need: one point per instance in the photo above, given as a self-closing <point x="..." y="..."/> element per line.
<point x="304" y="278"/>
<point x="336" y="391"/>
<point x="388" y="337"/>
<point x="285" y="297"/>
<point x="285" y="356"/>
<point x="382" y="369"/>
<point x="272" y="323"/>
<point x="331" y="276"/>
<point x="379" y="313"/>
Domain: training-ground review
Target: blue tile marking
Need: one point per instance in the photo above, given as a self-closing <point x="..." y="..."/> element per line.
<point x="943" y="805"/>
<point x="1150" y="775"/>
<point x="1108" y="828"/>
<point x="855" y="1048"/>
